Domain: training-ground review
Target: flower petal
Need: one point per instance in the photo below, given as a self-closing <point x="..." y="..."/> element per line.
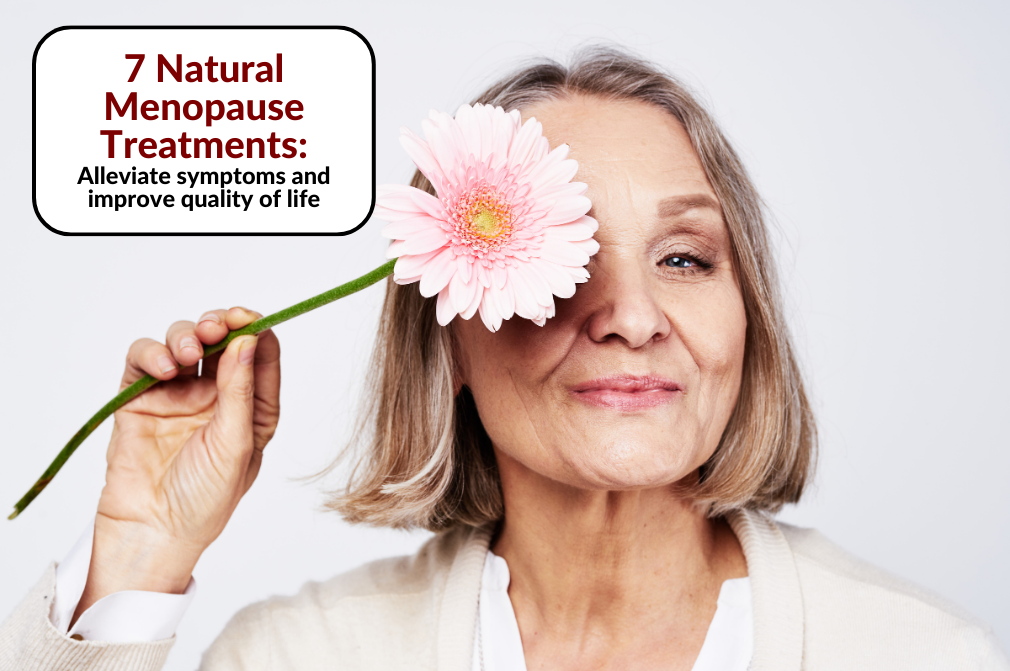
<point x="507" y="301"/>
<point x="525" y="297"/>
<point x="541" y="288"/>
<point x="478" y="297"/>
<point x="503" y="300"/>
<point x="500" y="276"/>
<point x="560" y="281"/>
<point x="486" y="126"/>
<point x="398" y="201"/>
<point x="437" y="273"/>
<point x="566" y="210"/>
<point x="563" y="253"/>
<point x="576" y="230"/>
<point x="461" y="293"/>
<point x="428" y="203"/>
<point x="466" y="117"/>
<point x="420" y="153"/>
<point x="411" y="265"/>
<point x="562" y="190"/>
<point x="405" y="229"/>
<point x="446" y="142"/>
<point x="395" y="197"/>
<point x="488" y="314"/>
<point x="427" y="240"/>
<point x="441" y="148"/>
<point x="464" y="267"/>
<point x="547" y="314"/>
<point x="503" y="130"/>
<point x="524" y="143"/>
<point x="554" y="174"/>
<point x="444" y="312"/>
<point x="534" y="172"/>
<point x="589" y="246"/>
<point x="395" y="249"/>
<point x="483" y="275"/>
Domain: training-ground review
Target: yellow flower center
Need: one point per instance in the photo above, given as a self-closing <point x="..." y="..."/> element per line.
<point x="482" y="218"/>
<point x="485" y="224"/>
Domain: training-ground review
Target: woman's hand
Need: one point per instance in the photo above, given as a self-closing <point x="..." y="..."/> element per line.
<point x="183" y="453"/>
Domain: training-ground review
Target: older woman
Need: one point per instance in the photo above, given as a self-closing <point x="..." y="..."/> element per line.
<point x="601" y="486"/>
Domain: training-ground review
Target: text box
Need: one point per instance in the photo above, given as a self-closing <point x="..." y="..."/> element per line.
<point x="203" y="130"/>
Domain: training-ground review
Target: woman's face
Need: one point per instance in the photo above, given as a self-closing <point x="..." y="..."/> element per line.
<point x="631" y="384"/>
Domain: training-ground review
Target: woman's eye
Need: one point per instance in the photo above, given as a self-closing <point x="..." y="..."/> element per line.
<point x="679" y="262"/>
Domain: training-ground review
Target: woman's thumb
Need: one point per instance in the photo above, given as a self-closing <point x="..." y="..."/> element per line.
<point x="235" y="387"/>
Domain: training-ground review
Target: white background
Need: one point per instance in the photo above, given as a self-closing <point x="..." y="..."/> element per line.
<point x="876" y="131"/>
<point x="328" y="71"/>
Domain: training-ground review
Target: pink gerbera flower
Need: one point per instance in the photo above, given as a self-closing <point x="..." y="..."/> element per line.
<point x="508" y="231"/>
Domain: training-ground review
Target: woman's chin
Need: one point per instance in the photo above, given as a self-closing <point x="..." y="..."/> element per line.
<point x="624" y="466"/>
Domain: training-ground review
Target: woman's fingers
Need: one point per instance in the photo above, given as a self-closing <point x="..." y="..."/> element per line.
<point x="226" y="321"/>
<point x="183" y="344"/>
<point x="238" y="317"/>
<point x="211" y="327"/>
<point x="267" y="368"/>
<point x="148" y="357"/>
<point x="231" y="429"/>
<point x="248" y="377"/>
<point x="183" y="347"/>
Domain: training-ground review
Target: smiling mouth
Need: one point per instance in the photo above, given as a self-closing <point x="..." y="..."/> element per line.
<point x="627" y="392"/>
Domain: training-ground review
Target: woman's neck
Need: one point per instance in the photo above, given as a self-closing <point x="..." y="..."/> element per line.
<point x="611" y="578"/>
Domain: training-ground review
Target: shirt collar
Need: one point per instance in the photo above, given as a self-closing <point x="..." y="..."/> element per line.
<point x="775" y="589"/>
<point x="775" y="585"/>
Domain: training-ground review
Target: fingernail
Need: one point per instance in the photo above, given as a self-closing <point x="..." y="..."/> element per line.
<point x="165" y="364"/>
<point x="247" y="351"/>
<point x="210" y="317"/>
<point x="189" y="341"/>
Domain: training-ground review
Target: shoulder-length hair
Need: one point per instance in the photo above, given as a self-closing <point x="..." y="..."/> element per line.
<point x="421" y="455"/>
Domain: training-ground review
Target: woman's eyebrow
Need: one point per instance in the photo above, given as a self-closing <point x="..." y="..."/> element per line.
<point x="674" y="206"/>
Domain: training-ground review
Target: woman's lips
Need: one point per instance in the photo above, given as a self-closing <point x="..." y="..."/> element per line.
<point x="627" y="392"/>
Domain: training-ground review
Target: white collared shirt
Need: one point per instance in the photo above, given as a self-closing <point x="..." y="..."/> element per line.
<point x="498" y="646"/>
<point x="136" y="616"/>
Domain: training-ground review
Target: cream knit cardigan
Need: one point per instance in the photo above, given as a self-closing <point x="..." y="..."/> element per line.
<point x="815" y="608"/>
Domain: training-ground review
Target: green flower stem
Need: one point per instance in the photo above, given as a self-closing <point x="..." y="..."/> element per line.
<point x="146" y="382"/>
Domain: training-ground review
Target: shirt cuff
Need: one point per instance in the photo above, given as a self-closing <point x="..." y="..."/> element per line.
<point x="130" y="616"/>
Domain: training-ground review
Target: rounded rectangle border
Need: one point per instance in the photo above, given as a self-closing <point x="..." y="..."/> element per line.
<point x="357" y="226"/>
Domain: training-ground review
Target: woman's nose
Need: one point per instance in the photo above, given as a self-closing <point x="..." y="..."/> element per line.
<point x="626" y="307"/>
